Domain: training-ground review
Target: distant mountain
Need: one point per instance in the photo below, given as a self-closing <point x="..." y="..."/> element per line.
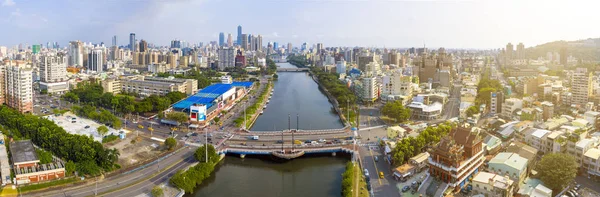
<point x="586" y="50"/>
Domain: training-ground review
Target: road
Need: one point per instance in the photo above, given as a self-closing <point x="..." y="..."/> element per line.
<point x="379" y="187"/>
<point x="452" y="107"/>
<point x="180" y="160"/>
<point x="369" y="115"/>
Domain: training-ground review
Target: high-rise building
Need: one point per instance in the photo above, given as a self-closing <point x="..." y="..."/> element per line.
<point x="259" y="43"/>
<point x="275" y="45"/>
<point x="365" y="59"/>
<point x="239" y="35"/>
<point x="53" y="68"/>
<point x="509" y="50"/>
<point x="304" y="46"/>
<point x="132" y="42"/>
<point x="252" y="40"/>
<point x="96" y="60"/>
<point x="520" y="51"/>
<point x="349" y="56"/>
<point x="319" y="48"/>
<point x="143" y="46"/>
<point x="226" y="58"/>
<point x="370" y="92"/>
<point x="114" y="40"/>
<point x="244" y="40"/>
<point x="18" y="82"/>
<point x="340" y="67"/>
<point x="289" y="48"/>
<point x="496" y="101"/>
<point x="581" y="87"/>
<point x="563" y="56"/>
<point x="229" y="40"/>
<point x="240" y="59"/>
<point x="76" y="53"/>
<point x="176" y="44"/>
<point x="221" y="39"/>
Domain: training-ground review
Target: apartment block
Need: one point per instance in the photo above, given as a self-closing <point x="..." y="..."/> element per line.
<point x="18" y="82"/>
<point x="159" y="86"/>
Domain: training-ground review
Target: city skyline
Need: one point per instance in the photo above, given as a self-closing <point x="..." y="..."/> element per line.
<point x="450" y="24"/>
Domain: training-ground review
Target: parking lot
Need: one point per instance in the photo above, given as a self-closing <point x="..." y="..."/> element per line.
<point x="80" y="126"/>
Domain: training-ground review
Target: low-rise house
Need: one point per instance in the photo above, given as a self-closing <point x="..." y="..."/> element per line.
<point x="509" y="164"/>
<point x="534" y="188"/>
<point x="27" y="166"/>
<point x="490" y="184"/>
<point x="419" y="161"/>
<point x="591" y="162"/>
<point x="491" y="144"/>
<point x="524" y="151"/>
<point x="395" y="132"/>
<point x="403" y="172"/>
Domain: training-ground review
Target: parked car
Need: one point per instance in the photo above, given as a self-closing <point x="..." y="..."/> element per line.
<point x="376" y="159"/>
<point x="405" y="188"/>
<point x="279" y="142"/>
<point x="322" y="140"/>
<point x="87" y="126"/>
<point x="381" y="175"/>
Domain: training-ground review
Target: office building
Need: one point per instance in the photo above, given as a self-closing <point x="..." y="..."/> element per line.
<point x="53" y="73"/>
<point x="18" y="82"/>
<point x="239" y="35"/>
<point x="143" y="46"/>
<point x="340" y="67"/>
<point x="289" y="48"/>
<point x="226" y="58"/>
<point x="221" y="39"/>
<point x="456" y="158"/>
<point x="229" y="40"/>
<point x="114" y="40"/>
<point x="397" y="86"/>
<point x="366" y="58"/>
<point x="132" y="42"/>
<point x="240" y="59"/>
<point x="581" y="87"/>
<point x="509" y="51"/>
<point x="496" y="101"/>
<point x="244" y="40"/>
<point x="176" y="44"/>
<point x="147" y="86"/>
<point x="95" y="61"/>
<point x="76" y="53"/>
<point x="275" y="45"/>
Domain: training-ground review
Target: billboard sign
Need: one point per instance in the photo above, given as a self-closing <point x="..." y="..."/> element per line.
<point x="198" y="112"/>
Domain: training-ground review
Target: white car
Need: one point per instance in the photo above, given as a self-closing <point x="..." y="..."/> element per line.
<point x="322" y="140"/>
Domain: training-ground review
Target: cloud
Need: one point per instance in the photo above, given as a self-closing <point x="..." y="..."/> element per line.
<point x="275" y="34"/>
<point x="8" y="3"/>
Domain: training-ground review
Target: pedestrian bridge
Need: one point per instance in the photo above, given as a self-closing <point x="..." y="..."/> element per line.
<point x="279" y="69"/>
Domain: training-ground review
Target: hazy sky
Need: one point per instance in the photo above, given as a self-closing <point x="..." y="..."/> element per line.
<point x="389" y="23"/>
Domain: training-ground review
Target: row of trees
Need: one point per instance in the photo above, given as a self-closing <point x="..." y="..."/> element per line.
<point x="92" y="94"/>
<point x="253" y="109"/>
<point x="348" y="180"/>
<point x="338" y="90"/>
<point x="411" y="146"/>
<point x="396" y="110"/>
<point x="188" y="180"/>
<point x="90" y="157"/>
<point x="102" y="115"/>
<point x="297" y="60"/>
<point x="271" y="67"/>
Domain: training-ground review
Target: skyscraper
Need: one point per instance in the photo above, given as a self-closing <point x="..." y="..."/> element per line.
<point x="229" y="40"/>
<point x="289" y="48"/>
<point x="114" y="40"/>
<point x="275" y="45"/>
<point x="520" y="51"/>
<point x="221" y="39"/>
<point x="18" y="79"/>
<point x="244" y="41"/>
<point x="76" y="53"/>
<point x="509" y="51"/>
<point x="259" y="44"/>
<point x="582" y="86"/>
<point x="132" y="42"/>
<point x="226" y="58"/>
<point x="239" y="35"/>
<point x="143" y="46"/>
<point x="96" y="60"/>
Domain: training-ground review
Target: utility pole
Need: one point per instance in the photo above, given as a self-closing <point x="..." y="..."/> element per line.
<point x="96" y="190"/>
<point x="348" y="108"/>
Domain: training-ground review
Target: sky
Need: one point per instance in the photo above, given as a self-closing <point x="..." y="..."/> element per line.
<point x="375" y="23"/>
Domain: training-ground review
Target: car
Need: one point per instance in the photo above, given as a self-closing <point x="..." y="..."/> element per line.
<point x="307" y="141"/>
<point x="381" y="175"/>
<point x="577" y="187"/>
<point x="366" y="172"/>
<point x="314" y="142"/>
<point x="87" y="126"/>
<point x="414" y="183"/>
<point x="279" y="142"/>
<point x="405" y="188"/>
<point x="194" y="134"/>
<point x="376" y="159"/>
<point x="322" y="140"/>
<point x="328" y="142"/>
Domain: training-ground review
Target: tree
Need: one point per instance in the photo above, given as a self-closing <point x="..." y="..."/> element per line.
<point x="179" y="117"/>
<point x="170" y="143"/>
<point x="557" y="170"/>
<point x="157" y="191"/>
<point x="70" y="168"/>
<point x="201" y="154"/>
<point x="396" y="111"/>
<point x="102" y="130"/>
<point x="472" y="111"/>
<point x="217" y="119"/>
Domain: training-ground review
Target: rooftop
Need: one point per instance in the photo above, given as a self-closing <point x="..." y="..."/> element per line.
<point x="593" y="153"/>
<point x="23" y="152"/>
<point x="540" y="133"/>
<point x="512" y="160"/>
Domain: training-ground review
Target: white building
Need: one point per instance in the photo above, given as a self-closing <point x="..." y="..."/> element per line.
<point x="369" y="91"/>
<point x="53" y="73"/>
<point x="226" y="79"/>
<point x="397" y="86"/>
<point x="511" y="105"/>
<point x="490" y="184"/>
<point x="421" y="111"/>
<point x="76" y="53"/>
<point x="18" y="83"/>
<point x="226" y="57"/>
<point x="581" y="87"/>
<point x="95" y="60"/>
<point x="591" y="162"/>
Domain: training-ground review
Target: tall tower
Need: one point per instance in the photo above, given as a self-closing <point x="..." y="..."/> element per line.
<point x="509" y="51"/>
<point x="229" y="40"/>
<point x="221" y="39"/>
<point x="143" y="46"/>
<point x="239" y="35"/>
<point x="114" y="40"/>
<point x="132" y="42"/>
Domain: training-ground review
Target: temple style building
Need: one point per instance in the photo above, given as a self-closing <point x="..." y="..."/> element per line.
<point x="456" y="158"/>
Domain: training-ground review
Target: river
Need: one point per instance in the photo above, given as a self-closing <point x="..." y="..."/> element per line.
<point x="252" y="177"/>
<point x="296" y="93"/>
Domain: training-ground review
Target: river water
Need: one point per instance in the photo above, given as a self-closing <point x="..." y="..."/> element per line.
<point x="296" y="93"/>
<point x="252" y="177"/>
